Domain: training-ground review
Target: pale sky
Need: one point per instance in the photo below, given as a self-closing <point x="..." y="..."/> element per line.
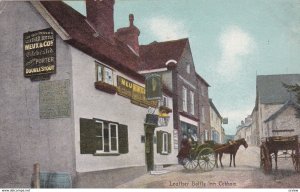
<point x="232" y="41"/>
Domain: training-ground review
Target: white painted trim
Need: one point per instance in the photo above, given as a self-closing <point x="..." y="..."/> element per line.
<point x="52" y="22"/>
<point x="187" y="120"/>
<point x="153" y="71"/>
<point x="171" y="61"/>
<point x="187" y="82"/>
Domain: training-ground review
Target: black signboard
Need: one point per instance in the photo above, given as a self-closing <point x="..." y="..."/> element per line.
<point x="153" y="87"/>
<point x="39" y="53"/>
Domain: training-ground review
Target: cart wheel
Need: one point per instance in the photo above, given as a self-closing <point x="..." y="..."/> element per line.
<point x="206" y="159"/>
<point x="190" y="163"/>
<point x="265" y="159"/>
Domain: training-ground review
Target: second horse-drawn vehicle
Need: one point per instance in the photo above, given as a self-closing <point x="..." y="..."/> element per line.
<point x="205" y="156"/>
<point x="288" y="146"/>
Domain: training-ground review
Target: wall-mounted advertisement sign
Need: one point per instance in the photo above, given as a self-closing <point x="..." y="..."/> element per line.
<point x="39" y="53"/>
<point x="134" y="92"/>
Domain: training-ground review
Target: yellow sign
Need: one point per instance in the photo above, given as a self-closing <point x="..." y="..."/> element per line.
<point x="135" y="92"/>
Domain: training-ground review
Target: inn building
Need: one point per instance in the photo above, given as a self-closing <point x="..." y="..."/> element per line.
<point x="72" y="101"/>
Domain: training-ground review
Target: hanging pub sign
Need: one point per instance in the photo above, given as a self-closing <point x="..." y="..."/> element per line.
<point x="39" y="53"/>
<point x="153" y="87"/>
<point x="134" y="92"/>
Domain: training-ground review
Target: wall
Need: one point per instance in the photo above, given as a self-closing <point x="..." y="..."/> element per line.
<point x="171" y="158"/>
<point x="92" y="103"/>
<point x="26" y="139"/>
<point x="285" y="120"/>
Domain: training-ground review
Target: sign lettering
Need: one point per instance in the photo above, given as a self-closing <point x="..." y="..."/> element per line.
<point x="39" y="52"/>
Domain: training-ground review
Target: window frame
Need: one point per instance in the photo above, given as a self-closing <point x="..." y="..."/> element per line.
<point x="203" y="114"/>
<point x="101" y="151"/>
<point x="184" y="99"/>
<point x="165" y="143"/>
<point x="104" y="68"/>
<point x="192" y="106"/>
<point x="109" y="138"/>
<point x="188" y="68"/>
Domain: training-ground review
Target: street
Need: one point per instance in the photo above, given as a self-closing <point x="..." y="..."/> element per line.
<point x="246" y="174"/>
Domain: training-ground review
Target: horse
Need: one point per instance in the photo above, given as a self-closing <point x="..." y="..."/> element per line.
<point x="229" y="148"/>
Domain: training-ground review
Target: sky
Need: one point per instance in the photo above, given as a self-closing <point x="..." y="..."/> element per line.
<point x="232" y="42"/>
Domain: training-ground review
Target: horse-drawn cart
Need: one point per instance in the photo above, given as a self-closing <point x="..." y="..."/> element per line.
<point x="202" y="156"/>
<point x="288" y="146"/>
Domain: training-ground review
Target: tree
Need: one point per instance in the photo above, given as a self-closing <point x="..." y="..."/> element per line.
<point x="295" y="89"/>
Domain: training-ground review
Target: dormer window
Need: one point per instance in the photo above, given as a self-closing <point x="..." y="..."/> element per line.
<point x="188" y="68"/>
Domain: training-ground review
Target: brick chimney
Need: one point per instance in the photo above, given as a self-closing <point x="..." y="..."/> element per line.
<point x="129" y="35"/>
<point x="100" y="14"/>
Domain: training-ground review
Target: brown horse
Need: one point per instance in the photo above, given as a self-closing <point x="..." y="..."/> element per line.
<point x="229" y="148"/>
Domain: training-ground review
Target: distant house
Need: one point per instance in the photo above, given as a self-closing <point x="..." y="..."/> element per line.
<point x="173" y="60"/>
<point x="274" y="110"/>
<point x="216" y="124"/>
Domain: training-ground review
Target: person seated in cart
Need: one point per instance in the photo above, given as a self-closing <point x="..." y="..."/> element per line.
<point x="185" y="147"/>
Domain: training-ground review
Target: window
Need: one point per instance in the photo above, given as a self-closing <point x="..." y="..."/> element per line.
<point x="164" y="101"/>
<point x="202" y="90"/>
<point x="192" y="103"/>
<point x="107" y="137"/>
<point x="104" y="74"/>
<point x="188" y="68"/>
<point x="206" y="135"/>
<point x="102" y="137"/>
<point x="163" y="142"/>
<point x="202" y="114"/>
<point x="184" y="99"/>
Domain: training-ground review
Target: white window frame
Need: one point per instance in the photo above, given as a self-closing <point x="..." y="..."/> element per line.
<point x="103" y="78"/>
<point x="184" y="99"/>
<point x="205" y="134"/>
<point x="117" y="138"/>
<point x="101" y="151"/>
<point x="192" y="97"/>
<point x="109" y="138"/>
<point x="161" y="102"/>
<point x="165" y="143"/>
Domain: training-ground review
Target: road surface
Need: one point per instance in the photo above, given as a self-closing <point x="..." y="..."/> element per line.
<point x="246" y="174"/>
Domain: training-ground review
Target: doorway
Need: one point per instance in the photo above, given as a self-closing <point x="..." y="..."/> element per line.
<point x="149" y="132"/>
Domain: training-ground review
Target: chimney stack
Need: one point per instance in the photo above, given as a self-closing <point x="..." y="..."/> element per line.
<point x="129" y="35"/>
<point x="100" y="13"/>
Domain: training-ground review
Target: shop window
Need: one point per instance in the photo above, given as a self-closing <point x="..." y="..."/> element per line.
<point x="184" y="99"/>
<point x="163" y="142"/>
<point x="102" y="137"/>
<point x="104" y="74"/>
<point x="192" y="102"/>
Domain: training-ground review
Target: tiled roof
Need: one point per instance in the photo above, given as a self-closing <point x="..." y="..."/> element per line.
<point x="156" y="54"/>
<point x="283" y="108"/>
<point x="83" y="38"/>
<point x="270" y="89"/>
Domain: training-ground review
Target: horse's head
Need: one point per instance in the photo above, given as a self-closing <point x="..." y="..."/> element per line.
<point x="244" y="143"/>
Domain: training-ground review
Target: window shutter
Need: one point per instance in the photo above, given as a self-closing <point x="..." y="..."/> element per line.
<point x="123" y="138"/>
<point x="169" y="143"/>
<point x="87" y="136"/>
<point x="159" y="141"/>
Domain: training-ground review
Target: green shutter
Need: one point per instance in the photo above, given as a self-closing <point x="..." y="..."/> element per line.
<point x="123" y="139"/>
<point x="169" y="143"/>
<point x="87" y="136"/>
<point x="159" y="141"/>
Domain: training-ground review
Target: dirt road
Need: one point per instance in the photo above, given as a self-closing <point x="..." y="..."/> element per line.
<point x="246" y="174"/>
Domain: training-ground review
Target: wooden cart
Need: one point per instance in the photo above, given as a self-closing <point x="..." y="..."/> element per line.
<point x="288" y="146"/>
